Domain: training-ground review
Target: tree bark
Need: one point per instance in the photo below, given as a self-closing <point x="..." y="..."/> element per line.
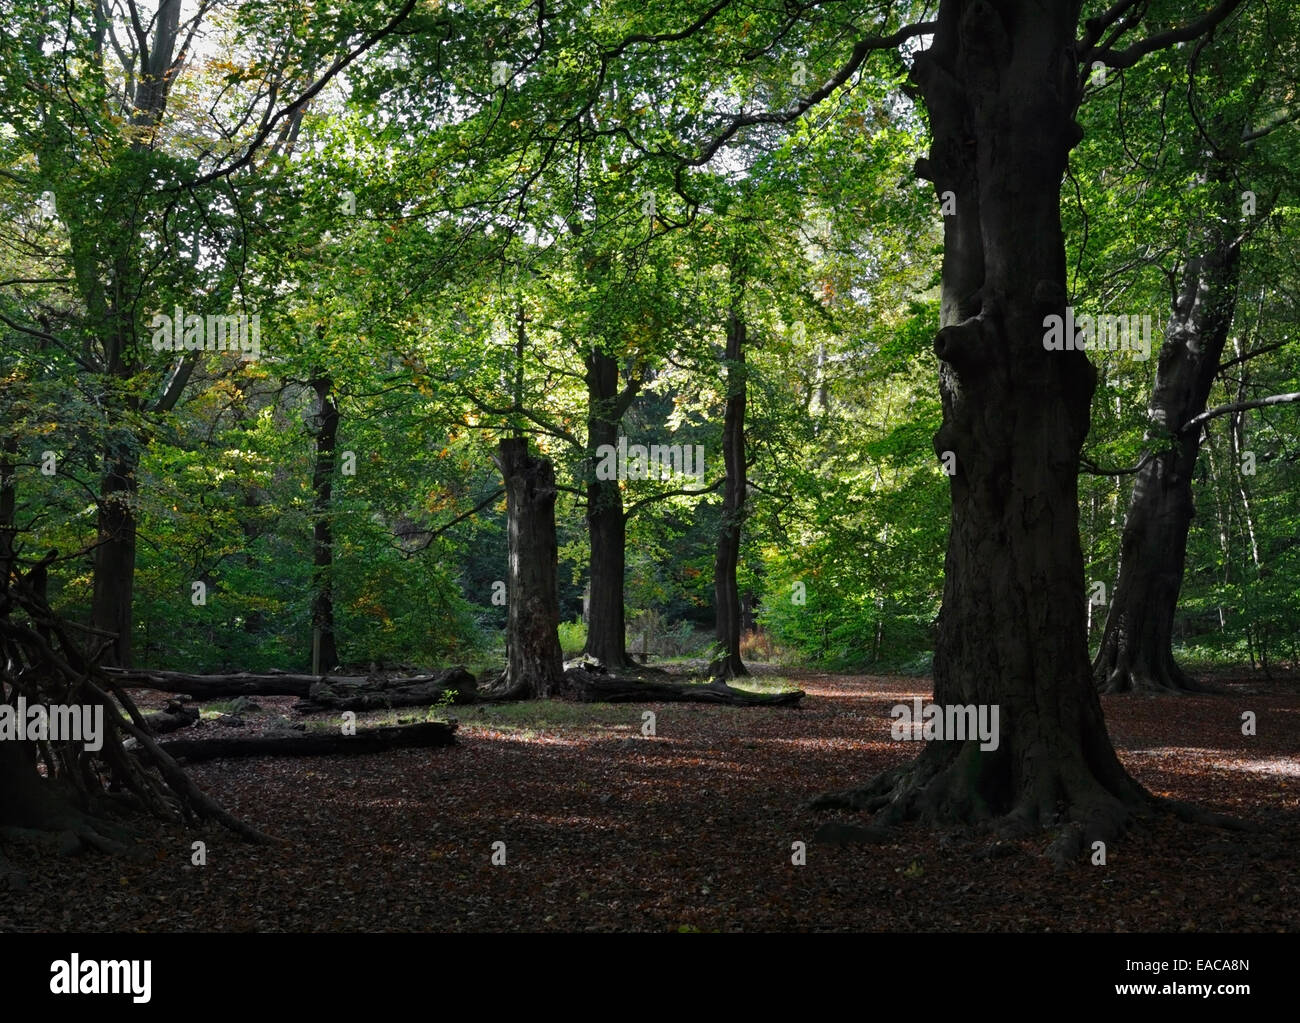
<point x="606" y="520"/>
<point x="114" y="581"/>
<point x="8" y="507"/>
<point x="1136" y="650"/>
<point x="326" y="656"/>
<point x="726" y="593"/>
<point x="1000" y="84"/>
<point x="534" y="662"/>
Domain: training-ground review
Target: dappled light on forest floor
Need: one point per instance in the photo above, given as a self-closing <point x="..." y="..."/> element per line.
<point x="598" y="826"/>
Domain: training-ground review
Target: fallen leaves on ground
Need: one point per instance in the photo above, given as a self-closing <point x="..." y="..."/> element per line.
<point x="691" y="830"/>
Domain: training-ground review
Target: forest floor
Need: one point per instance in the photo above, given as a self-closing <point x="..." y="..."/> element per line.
<point x="691" y="830"/>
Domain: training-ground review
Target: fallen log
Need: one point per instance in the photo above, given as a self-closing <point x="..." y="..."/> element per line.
<point x="455" y="684"/>
<point x="585" y="687"/>
<point x="331" y="687"/>
<point x="214" y="687"/>
<point x="317" y="744"/>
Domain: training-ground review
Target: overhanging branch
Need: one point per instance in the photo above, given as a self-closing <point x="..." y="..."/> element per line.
<point x="1240" y="406"/>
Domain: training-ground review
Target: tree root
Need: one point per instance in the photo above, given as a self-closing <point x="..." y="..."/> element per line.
<point x="1119" y="676"/>
<point x="943" y="788"/>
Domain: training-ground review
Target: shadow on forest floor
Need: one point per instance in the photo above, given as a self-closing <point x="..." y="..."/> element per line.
<point x="691" y="829"/>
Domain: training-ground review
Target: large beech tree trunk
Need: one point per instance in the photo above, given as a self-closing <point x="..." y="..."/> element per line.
<point x="726" y="594"/>
<point x="1000" y="84"/>
<point x="1136" y="651"/>
<point x="326" y="656"/>
<point x="606" y="520"/>
<point x="534" y="662"/>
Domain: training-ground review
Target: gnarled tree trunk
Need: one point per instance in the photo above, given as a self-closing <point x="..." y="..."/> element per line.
<point x="1000" y="83"/>
<point x="1136" y="651"/>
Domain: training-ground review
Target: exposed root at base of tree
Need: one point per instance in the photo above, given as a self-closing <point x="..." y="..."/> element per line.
<point x="1121" y="676"/>
<point x="723" y="667"/>
<point x="941" y="789"/>
<point x="1190" y="813"/>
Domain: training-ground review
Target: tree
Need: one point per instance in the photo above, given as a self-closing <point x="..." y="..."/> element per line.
<point x="728" y="663"/>
<point x="534" y="663"/>
<point x="1136" y="649"/>
<point x="1001" y="84"/>
<point x="109" y="151"/>
<point x="325" y="654"/>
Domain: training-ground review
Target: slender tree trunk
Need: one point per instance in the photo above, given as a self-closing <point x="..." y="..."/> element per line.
<point x="726" y="593"/>
<point x="606" y="628"/>
<point x="114" y="582"/>
<point x="606" y="520"/>
<point x="535" y="664"/>
<point x="322" y="485"/>
<point x="1001" y="86"/>
<point x="1136" y="651"/>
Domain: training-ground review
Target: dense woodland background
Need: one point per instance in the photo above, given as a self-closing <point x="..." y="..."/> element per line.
<point x="431" y="267"/>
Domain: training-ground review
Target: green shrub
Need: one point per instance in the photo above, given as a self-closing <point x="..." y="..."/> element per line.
<point x="573" y="637"/>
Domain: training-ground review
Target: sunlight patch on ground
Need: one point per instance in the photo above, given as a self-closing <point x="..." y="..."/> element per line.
<point x="1195" y="758"/>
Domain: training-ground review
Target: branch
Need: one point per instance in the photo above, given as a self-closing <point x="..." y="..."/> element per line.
<point x="1193" y="30"/>
<point x="1097" y="26"/>
<point x="433" y="534"/>
<point x="1240" y="406"/>
<point x="306" y="97"/>
<point x="796" y="109"/>
<point x="672" y="493"/>
<point x="1091" y="468"/>
<point x="1250" y="355"/>
<point x="668" y="37"/>
<point x="1281" y="120"/>
<point x="176" y="383"/>
<point x="28" y="330"/>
